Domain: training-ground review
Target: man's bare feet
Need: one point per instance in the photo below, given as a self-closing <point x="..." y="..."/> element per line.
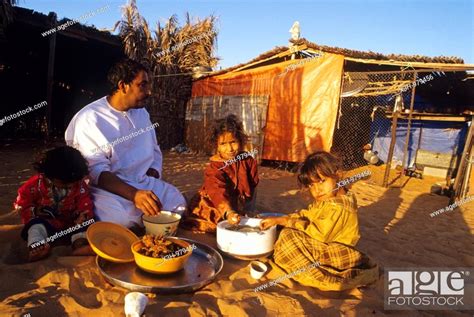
<point x="39" y="252"/>
<point x="81" y="247"/>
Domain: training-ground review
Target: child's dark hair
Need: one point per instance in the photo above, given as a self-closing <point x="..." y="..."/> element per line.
<point x="63" y="163"/>
<point x="317" y="164"/>
<point x="228" y="124"/>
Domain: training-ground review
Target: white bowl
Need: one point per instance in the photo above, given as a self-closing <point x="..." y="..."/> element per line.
<point x="246" y="245"/>
<point x="165" y="224"/>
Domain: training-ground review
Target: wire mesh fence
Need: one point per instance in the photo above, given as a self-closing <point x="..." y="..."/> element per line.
<point x="367" y="136"/>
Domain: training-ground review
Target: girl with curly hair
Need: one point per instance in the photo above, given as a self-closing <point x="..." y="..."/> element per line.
<point x="230" y="180"/>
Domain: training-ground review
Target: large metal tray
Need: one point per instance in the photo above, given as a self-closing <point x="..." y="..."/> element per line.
<point x="201" y="269"/>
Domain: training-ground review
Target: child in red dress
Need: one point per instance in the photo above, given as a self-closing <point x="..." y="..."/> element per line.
<point x="56" y="199"/>
<point x="230" y="180"/>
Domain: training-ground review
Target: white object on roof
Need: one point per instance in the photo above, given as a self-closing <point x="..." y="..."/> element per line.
<point x="295" y="31"/>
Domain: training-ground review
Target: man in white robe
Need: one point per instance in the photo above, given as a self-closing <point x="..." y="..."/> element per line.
<point x="118" y="140"/>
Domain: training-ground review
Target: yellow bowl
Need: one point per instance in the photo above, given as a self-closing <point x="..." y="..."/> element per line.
<point x="161" y="265"/>
<point x="111" y="241"/>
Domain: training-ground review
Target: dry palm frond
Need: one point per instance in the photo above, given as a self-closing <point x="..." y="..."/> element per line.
<point x="169" y="49"/>
<point x="189" y="46"/>
<point x="149" y="43"/>
<point x="192" y="45"/>
<point x="200" y="40"/>
<point x="169" y="32"/>
<point x="131" y="31"/>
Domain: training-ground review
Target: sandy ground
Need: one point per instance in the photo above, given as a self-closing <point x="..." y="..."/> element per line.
<point x="395" y="226"/>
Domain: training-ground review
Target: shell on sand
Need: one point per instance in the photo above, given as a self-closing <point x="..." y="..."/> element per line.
<point x="135" y="304"/>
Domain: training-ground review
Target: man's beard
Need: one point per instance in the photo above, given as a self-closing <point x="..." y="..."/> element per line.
<point x="142" y="103"/>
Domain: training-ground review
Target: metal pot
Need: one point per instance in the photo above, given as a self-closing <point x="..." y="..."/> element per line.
<point x="245" y="245"/>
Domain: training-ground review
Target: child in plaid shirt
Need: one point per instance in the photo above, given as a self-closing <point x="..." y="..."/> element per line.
<point x="326" y="232"/>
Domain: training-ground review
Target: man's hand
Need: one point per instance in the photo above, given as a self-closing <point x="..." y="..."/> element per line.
<point x="233" y="218"/>
<point x="153" y="173"/>
<point x="273" y="221"/>
<point x="147" y="202"/>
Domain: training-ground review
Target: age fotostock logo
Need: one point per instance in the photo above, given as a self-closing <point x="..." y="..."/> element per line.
<point x="429" y="289"/>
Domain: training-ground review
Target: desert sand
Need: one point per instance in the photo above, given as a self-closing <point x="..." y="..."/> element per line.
<point x="395" y="225"/>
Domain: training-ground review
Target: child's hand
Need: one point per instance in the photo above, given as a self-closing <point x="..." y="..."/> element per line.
<point x="272" y="221"/>
<point x="233" y="218"/>
<point x="81" y="218"/>
<point x="268" y="223"/>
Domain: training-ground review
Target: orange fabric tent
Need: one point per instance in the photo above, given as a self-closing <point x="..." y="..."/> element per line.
<point x="303" y="102"/>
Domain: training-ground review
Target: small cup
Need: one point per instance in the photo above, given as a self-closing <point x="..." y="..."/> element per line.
<point x="257" y="269"/>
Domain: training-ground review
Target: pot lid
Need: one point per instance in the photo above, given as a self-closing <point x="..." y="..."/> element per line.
<point x="111" y="241"/>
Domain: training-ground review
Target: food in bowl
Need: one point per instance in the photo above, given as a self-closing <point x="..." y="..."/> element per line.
<point x="163" y="224"/>
<point x="157" y="247"/>
<point x="243" y="228"/>
<point x="159" y="255"/>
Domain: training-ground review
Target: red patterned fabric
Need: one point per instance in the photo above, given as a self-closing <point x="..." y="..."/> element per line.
<point x="37" y="192"/>
<point x="226" y="187"/>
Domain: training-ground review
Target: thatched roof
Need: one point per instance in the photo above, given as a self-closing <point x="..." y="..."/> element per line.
<point x="347" y="53"/>
<point x="379" y="56"/>
<point x="77" y="30"/>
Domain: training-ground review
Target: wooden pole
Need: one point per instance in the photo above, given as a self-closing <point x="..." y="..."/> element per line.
<point x="407" y="139"/>
<point x="390" y="151"/>
<point x="467" y="175"/>
<point x="465" y="159"/>
<point x="50" y="75"/>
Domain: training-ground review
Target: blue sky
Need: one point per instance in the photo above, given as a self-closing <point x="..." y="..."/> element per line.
<point x="249" y="28"/>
